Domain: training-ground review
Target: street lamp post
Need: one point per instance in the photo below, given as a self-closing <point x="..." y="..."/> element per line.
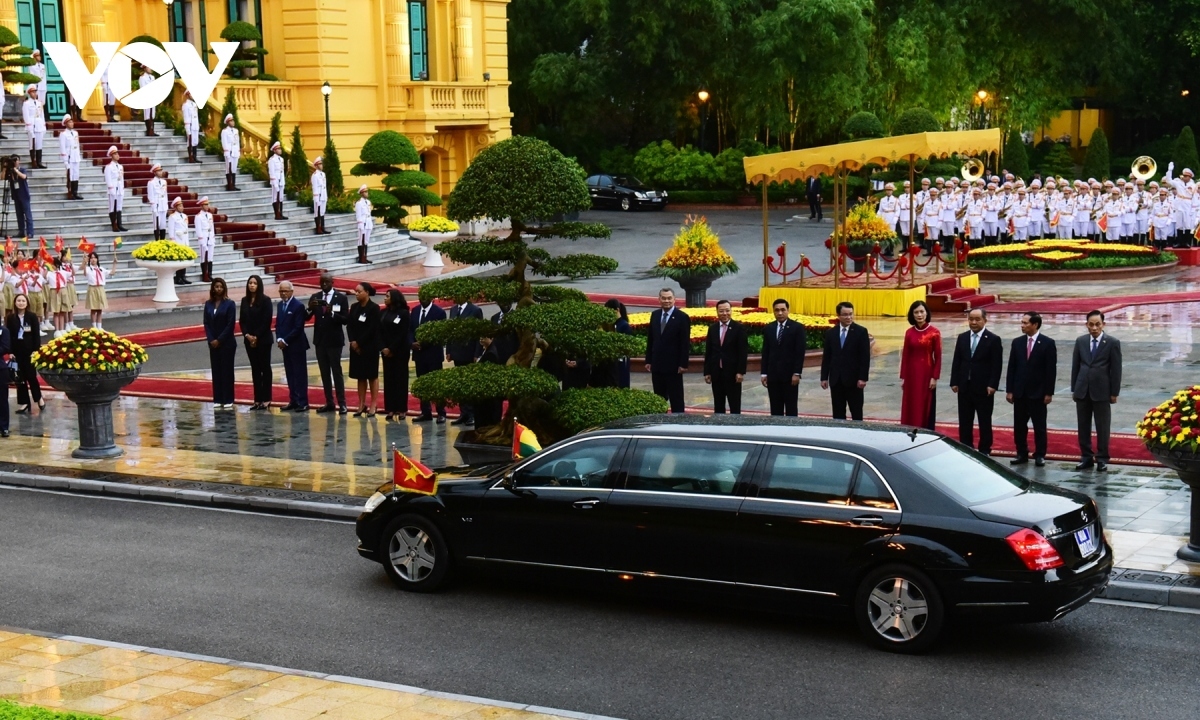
<point x="703" y="96"/>
<point x="982" y="97"/>
<point x="326" y="90"/>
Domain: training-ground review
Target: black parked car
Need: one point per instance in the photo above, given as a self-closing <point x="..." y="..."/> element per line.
<point x="905" y="526"/>
<point x="624" y="192"/>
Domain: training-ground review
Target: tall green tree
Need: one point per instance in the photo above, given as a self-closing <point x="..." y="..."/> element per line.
<point x="332" y="165"/>
<point x="1096" y="162"/>
<point x="298" y="173"/>
<point x="1016" y="159"/>
<point x="276" y="131"/>
<point x="1183" y="151"/>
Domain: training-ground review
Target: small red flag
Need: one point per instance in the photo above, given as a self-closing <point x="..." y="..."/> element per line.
<point x="1102" y="223"/>
<point x="410" y="475"/>
<point x="27" y="265"/>
<point x="58" y="243"/>
<point x="10" y="248"/>
<point x="86" y="247"/>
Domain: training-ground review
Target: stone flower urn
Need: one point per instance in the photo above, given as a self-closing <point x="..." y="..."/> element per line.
<point x="164" y="291"/>
<point x="433" y="258"/>
<point x="1187" y="465"/>
<point x="695" y="288"/>
<point x="93" y="394"/>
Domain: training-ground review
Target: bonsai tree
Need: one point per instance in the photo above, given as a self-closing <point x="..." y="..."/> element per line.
<point x="386" y="153"/>
<point x="1096" y="163"/>
<point x="14" y="57"/>
<point x="528" y="182"/>
<point x="1015" y="157"/>
<point x="862" y="126"/>
<point x="915" y="120"/>
<point x="298" y="176"/>
<point x="333" y="170"/>
<point x="246" y="57"/>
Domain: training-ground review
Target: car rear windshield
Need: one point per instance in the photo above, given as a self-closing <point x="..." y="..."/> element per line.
<point x="965" y="475"/>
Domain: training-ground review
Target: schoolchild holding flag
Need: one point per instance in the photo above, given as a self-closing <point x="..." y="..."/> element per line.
<point x="97" y="278"/>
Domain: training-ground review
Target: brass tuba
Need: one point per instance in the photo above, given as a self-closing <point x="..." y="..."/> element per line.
<point x="972" y="170"/>
<point x="1143" y="168"/>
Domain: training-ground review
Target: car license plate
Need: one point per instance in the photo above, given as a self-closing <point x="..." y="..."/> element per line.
<point x="1086" y="540"/>
<point x="656" y="199"/>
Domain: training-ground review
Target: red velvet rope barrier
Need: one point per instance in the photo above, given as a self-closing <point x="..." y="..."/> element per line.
<point x="901" y="265"/>
<point x="916" y="251"/>
<point x="809" y="267"/>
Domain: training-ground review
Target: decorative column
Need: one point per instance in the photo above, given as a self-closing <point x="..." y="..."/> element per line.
<point x="8" y="14"/>
<point x="465" y="56"/>
<point x="399" y="53"/>
<point x="92" y="19"/>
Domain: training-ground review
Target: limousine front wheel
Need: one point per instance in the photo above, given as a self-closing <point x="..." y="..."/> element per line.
<point x="415" y="554"/>
<point x="899" y="609"/>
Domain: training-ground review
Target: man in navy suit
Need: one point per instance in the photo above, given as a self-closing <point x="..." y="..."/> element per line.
<point x="669" y="349"/>
<point x="464" y="353"/>
<point x="427" y="358"/>
<point x="784" y="345"/>
<point x="846" y="363"/>
<point x="974" y="377"/>
<point x="289" y="329"/>
<point x="1032" y="366"/>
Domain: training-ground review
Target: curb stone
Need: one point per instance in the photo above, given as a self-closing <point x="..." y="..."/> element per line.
<point x="1154" y="588"/>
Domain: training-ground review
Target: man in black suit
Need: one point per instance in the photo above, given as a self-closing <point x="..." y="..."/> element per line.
<point x="331" y="311"/>
<point x="427" y="358"/>
<point x="813" y="191"/>
<point x="1095" y="384"/>
<point x="725" y="355"/>
<point x="504" y="344"/>
<point x="784" y="344"/>
<point x="464" y="353"/>
<point x="1032" y="367"/>
<point x="669" y="349"/>
<point x="846" y="363"/>
<point x="974" y="377"/>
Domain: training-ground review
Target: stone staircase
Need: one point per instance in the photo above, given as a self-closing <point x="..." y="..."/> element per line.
<point x="250" y="240"/>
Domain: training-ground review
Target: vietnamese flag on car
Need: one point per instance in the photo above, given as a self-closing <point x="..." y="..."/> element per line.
<point x="410" y="475"/>
<point x="525" y="442"/>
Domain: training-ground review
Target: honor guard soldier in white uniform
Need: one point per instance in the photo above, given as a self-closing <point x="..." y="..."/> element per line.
<point x="932" y="213"/>
<point x="275" y="173"/>
<point x="922" y="198"/>
<point x="206" y="238"/>
<point x="951" y="202"/>
<point x="362" y="218"/>
<point x="889" y="206"/>
<point x="1129" y="219"/>
<point x="191" y="125"/>
<point x="156" y="195"/>
<point x="1020" y="209"/>
<point x="68" y="149"/>
<point x="1162" y="217"/>
<point x="1114" y="209"/>
<point x="39" y="68"/>
<point x="1037" y="210"/>
<point x="114" y="180"/>
<point x="35" y="126"/>
<point x="110" y="99"/>
<point x="991" y="216"/>
<point x="905" y="206"/>
<point x="320" y="194"/>
<point x="149" y="113"/>
<point x="231" y="145"/>
<point x="1146" y="197"/>
<point x="177" y="231"/>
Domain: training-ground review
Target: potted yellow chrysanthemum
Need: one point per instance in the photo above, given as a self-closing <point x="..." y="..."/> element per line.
<point x="1171" y="432"/>
<point x="695" y="260"/>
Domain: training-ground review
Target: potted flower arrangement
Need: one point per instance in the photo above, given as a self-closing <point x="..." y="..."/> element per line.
<point x="1171" y="433"/>
<point x="695" y="259"/>
<point x="431" y="230"/>
<point x="164" y="257"/>
<point x="863" y="231"/>
<point x="91" y="366"/>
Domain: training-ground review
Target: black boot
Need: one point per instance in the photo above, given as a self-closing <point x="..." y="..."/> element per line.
<point x="360" y="260"/>
<point x="178" y="277"/>
<point x="281" y="215"/>
<point x="112" y="219"/>
<point x="39" y="161"/>
<point x="75" y="190"/>
<point x="196" y="154"/>
<point x="150" y="128"/>
<point x="229" y="181"/>
<point x="33" y="158"/>
<point x="364" y="255"/>
<point x="108" y="113"/>
<point x="233" y="182"/>
<point x="120" y="227"/>
<point x="323" y="230"/>
<point x="317" y="230"/>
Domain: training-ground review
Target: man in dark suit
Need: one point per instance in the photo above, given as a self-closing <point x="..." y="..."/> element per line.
<point x="1095" y="384"/>
<point x="464" y="353"/>
<point x="289" y="329"/>
<point x="974" y="377"/>
<point x="504" y="344"/>
<point x="331" y="311"/>
<point x="784" y="344"/>
<point x="725" y="354"/>
<point x="1032" y="367"/>
<point x="669" y="349"/>
<point x="846" y="363"/>
<point x="427" y="358"/>
<point x="813" y="190"/>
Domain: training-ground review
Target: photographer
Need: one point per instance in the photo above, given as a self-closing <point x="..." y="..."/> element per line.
<point x="19" y="183"/>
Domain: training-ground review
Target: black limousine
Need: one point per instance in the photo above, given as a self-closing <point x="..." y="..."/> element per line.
<point x="907" y="527"/>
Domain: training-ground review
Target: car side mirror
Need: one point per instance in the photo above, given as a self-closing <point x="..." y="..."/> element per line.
<point x="509" y="483"/>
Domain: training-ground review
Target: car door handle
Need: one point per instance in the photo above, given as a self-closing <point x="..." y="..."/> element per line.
<point x="867" y="520"/>
<point x="587" y="504"/>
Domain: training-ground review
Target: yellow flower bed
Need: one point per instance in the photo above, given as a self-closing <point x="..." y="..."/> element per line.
<point x="164" y="251"/>
<point x="751" y="317"/>
<point x="1058" y="255"/>
<point x="433" y="224"/>
<point x="1083" y="248"/>
<point x="1173" y="424"/>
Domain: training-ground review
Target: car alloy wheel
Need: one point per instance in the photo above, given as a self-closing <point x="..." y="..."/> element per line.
<point x="411" y="552"/>
<point x="626" y="203"/>
<point x="899" y="609"/>
<point x="417" y="557"/>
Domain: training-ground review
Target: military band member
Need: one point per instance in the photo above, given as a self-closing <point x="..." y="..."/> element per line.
<point x="320" y="193"/>
<point x="1185" y="193"/>
<point x="114" y="181"/>
<point x="275" y="172"/>
<point x="1129" y="218"/>
<point x="156" y="195"/>
<point x="206" y="239"/>
<point x="362" y="218"/>
<point x="110" y="98"/>
<point x="950" y="204"/>
<point x="149" y="113"/>
<point x="889" y="206"/>
<point x="231" y="146"/>
<point x="991" y="216"/>
<point x="1020" y="209"/>
<point x="177" y="231"/>
<point x="68" y="148"/>
<point x="191" y="125"/>
<point x="976" y="207"/>
<point x="1163" y="217"/>
<point x="922" y="197"/>
<point x="35" y="126"/>
<point x="1037" y="210"/>
<point x="1114" y="209"/>
<point x="1147" y="194"/>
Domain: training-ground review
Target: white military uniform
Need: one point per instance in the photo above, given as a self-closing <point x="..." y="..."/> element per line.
<point x="362" y="217"/>
<point x="932" y="215"/>
<point x="1129" y="219"/>
<point x="68" y="149"/>
<point x="106" y="89"/>
<point x="144" y="81"/>
<point x="114" y="180"/>
<point x="206" y="236"/>
<point x="1037" y="214"/>
<point x="320" y="192"/>
<point x="1163" y="218"/>
<point x="1185" y="192"/>
<point x="991" y="214"/>
<point x="1146" y="201"/>
<point x="276" y="176"/>
<point x="39" y="69"/>
<point x="922" y="197"/>
<point x="177" y="228"/>
<point x="1020" y="210"/>
<point x="1114" y="210"/>
<point x="889" y="210"/>
<point x="35" y="122"/>
<point x="231" y="144"/>
<point x="950" y="204"/>
<point x="191" y="122"/>
<point x="975" y="210"/>
<point x="156" y="194"/>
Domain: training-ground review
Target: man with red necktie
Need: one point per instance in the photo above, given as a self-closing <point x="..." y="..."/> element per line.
<point x="725" y="354"/>
<point x="1032" y="367"/>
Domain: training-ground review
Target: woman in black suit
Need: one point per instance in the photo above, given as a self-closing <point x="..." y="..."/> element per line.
<point x="26" y="338"/>
<point x="220" y="317"/>
<point x="393" y="334"/>
<point x="5" y="350"/>
<point x="363" y="332"/>
<point x="255" y="319"/>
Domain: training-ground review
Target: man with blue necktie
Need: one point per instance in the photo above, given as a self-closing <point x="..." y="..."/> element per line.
<point x="289" y="328"/>
<point x="1095" y="384"/>
<point x="669" y="349"/>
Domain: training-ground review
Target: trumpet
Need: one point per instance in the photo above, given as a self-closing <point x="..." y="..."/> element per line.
<point x="1143" y="168"/>
<point x="972" y="170"/>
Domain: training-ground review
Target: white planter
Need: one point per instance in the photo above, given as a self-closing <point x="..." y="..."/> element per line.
<point x="165" y="291"/>
<point x="432" y="257"/>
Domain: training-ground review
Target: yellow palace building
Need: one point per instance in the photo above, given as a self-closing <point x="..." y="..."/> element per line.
<point x="434" y="70"/>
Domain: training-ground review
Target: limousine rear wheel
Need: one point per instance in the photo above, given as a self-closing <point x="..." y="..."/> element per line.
<point x="899" y="609"/>
<point x="415" y="554"/>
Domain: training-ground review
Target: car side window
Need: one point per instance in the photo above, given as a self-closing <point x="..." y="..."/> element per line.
<point x="584" y="464"/>
<point x="594" y="180"/>
<point x="683" y="466"/>
<point x="870" y="491"/>
<point x="807" y="475"/>
<point x="606" y="181"/>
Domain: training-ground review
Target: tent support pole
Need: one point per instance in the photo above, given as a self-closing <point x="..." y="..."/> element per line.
<point x="766" y="238"/>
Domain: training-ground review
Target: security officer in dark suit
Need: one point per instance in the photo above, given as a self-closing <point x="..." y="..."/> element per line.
<point x="505" y="344"/>
<point x="1032" y="368"/>
<point x="846" y="363"/>
<point x="464" y="353"/>
<point x="669" y="349"/>
<point x="725" y="355"/>
<point x="331" y="311"/>
<point x="1095" y="384"/>
<point x="427" y="358"/>
<point x="784" y="344"/>
<point x="813" y="191"/>
<point x="974" y="376"/>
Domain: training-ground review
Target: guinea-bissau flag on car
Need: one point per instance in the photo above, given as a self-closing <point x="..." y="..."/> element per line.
<point x="525" y="442"/>
<point x="410" y="475"/>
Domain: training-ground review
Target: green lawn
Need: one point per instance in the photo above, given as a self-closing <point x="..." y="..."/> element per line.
<point x="13" y="711"/>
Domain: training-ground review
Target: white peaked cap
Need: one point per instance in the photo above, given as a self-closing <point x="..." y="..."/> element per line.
<point x="155" y="166"/>
<point x="318" y="160"/>
<point x="275" y="145"/>
<point x="67" y="117"/>
<point x="1187" y="171"/>
<point x="228" y="117"/>
<point x="362" y="187"/>
<point x="177" y="201"/>
<point x="204" y="200"/>
<point x="112" y="149"/>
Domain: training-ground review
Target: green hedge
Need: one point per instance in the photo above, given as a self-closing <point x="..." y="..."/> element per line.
<point x="1088" y="263"/>
<point x="12" y="711"/>
<point x="577" y="410"/>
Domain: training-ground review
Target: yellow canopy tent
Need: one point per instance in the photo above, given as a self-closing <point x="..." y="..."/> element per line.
<point x="839" y="160"/>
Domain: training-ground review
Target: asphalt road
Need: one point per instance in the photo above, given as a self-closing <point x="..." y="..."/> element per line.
<point x="294" y="593"/>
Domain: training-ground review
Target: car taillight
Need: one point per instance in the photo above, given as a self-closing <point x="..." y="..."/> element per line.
<point x="1034" y="550"/>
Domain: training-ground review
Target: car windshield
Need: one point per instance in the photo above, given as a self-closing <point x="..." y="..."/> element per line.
<point x="967" y="476"/>
<point x="629" y="181"/>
